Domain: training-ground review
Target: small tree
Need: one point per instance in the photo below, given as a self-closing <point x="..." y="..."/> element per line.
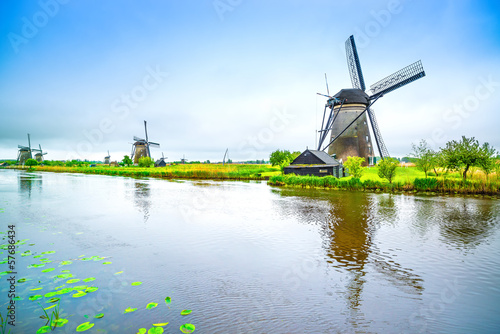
<point x="487" y="161"/>
<point x="425" y="157"/>
<point x="387" y="168"/>
<point x="355" y="166"/>
<point x="127" y="161"/>
<point x="31" y="162"/>
<point x="145" y="162"/>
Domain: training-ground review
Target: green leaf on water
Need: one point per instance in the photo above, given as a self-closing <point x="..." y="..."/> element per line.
<point x="47" y="270"/>
<point x="37" y="256"/>
<point x="186" y="312"/>
<point x="36" y="265"/>
<point x="34" y="289"/>
<point x="151" y="305"/>
<point x="161" y="324"/>
<point x="53" y="300"/>
<point x="99" y="315"/>
<point x="142" y="331"/>
<point x="130" y="309"/>
<point x="155" y="330"/>
<point x="85" y="326"/>
<point x="107" y="262"/>
<point x="97" y="258"/>
<point x="43" y="329"/>
<point x="136" y="283"/>
<point x="50" y="294"/>
<point x="35" y="297"/>
<point x="49" y="252"/>
<point x="187" y="328"/>
<point x="79" y="294"/>
<point x="118" y="273"/>
<point x="64" y="276"/>
<point x="79" y="287"/>
<point x="22" y="280"/>
<point x="59" y="322"/>
<point x="90" y="279"/>
<point x="86" y="259"/>
<point x="65" y="263"/>
<point x="91" y="289"/>
<point x="63" y="291"/>
<point x="74" y="280"/>
<point x="168" y="300"/>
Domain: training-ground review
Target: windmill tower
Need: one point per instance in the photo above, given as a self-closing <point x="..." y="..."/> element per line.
<point x="25" y="152"/>
<point x="347" y="121"/>
<point x="106" y="159"/>
<point x="39" y="155"/>
<point x="140" y="147"/>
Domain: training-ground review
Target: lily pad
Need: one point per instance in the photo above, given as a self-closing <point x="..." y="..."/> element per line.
<point x="91" y="289"/>
<point x="49" y="252"/>
<point x="65" y="290"/>
<point x="99" y="315"/>
<point x="50" y="294"/>
<point x="186" y="312"/>
<point x="85" y="326"/>
<point x="168" y="300"/>
<point x="187" y="328"/>
<point x="43" y="329"/>
<point x="118" y="273"/>
<point x="59" y="322"/>
<point x="79" y="294"/>
<point x="53" y="300"/>
<point x="86" y="259"/>
<point x="130" y="309"/>
<point x="151" y="305"/>
<point x="36" y="265"/>
<point x="64" y="276"/>
<point x="34" y="289"/>
<point x="47" y="270"/>
<point x="79" y="287"/>
<point x="136" y="283"/>
<point x="142" y="331"/>
<point x="22" y="280"/>
<point x="90" y="279"/>
<point x="155" y="330"/>
<point x="74" y="280"/>
<point x="35" y="297"/>
<point x="106" y="262"/>
<point x="161" y="324"/>
<point x="65" y="263"/>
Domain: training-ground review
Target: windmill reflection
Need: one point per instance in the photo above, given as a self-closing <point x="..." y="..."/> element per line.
<point x="29" y="181"/>
<point x="142" y="192"/>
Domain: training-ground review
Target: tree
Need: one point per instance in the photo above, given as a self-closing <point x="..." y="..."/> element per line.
<point x="127" y="161"/>
<point x="145" y="162"/>
<point x="31" y="162"/>
<point x="466" y="153"/>
<point x="354" y="166"/>
<point x="425" y="157"/>
<point x="387" y="168"/>
<point x="488" y="161"/>
<point x="278" y="157"/>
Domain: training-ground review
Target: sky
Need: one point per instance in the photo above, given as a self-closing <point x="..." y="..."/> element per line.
<point x="209" y="75"/>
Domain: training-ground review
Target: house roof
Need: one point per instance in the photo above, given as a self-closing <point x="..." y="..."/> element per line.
<point x="314" y="157"/>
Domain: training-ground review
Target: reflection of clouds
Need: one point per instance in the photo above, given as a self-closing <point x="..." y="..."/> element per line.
<point x="142" y="192"/>
<point x="29" y="181"/>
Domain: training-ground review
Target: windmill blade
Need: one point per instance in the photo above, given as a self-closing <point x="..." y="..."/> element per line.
<point x="382" y="150"/>
<point x="139" y="139"/>
<point x="146" y="130"/>
<point x="23" y="147"/>
<point x="354" y="65"/>
<point x="327" y="90"/>
<point x="154" y="144"/>
<point x="398" y="79"/>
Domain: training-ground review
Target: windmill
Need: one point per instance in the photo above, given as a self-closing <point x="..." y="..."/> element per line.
<point x="140" y="147"/>
<point x="39" y="155"/>
<point x="25" y="152"/>
<point x="106" y="159"/>
<point x="347" y="119"/>
<point x="161" y="162"/>
<point x="183" y="160"/>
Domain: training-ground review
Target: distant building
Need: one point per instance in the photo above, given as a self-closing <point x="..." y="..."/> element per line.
<point x="317" y="163"/>
<point x="160" y="163"/>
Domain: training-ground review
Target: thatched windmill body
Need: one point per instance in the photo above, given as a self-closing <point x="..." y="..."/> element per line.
<point x="140" y="147"/>
<point x="39" y="155"/>
<point x="24" y="153"/>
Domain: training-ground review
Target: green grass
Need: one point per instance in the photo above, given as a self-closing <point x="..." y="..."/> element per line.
<point x="408" y="179"/>
<point x="188" y="171"/>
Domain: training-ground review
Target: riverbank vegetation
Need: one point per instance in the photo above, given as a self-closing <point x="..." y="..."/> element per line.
<point x="187" y="171"/>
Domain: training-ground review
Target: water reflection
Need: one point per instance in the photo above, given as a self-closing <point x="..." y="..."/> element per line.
<point x="142" y="193"/>
<point x="29" y="181"/>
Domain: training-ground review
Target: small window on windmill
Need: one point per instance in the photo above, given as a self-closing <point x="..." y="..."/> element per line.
<point x="323" y="170"/>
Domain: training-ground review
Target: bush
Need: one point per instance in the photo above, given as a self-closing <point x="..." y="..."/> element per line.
<point x="145" y="162"/>
<point x="31" y="162"/>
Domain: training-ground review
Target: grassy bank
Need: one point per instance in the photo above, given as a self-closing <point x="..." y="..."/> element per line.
<point x="188" y="171"/>
<point x="408" y="179"/>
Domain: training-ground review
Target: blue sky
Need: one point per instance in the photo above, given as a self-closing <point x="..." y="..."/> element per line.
<point x="81" y="76"/>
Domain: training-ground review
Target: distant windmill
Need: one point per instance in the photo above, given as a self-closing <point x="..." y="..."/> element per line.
<point x="161" y="162"/>
<point x="140" y="147"/>
<point x="106" y="159"/>
<point x="24" y="152"/>
<point x="183" y="160"/>
<point x="39" y="155"/>
<point x="347" y="121"/>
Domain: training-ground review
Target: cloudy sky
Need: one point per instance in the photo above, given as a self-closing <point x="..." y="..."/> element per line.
<point x="82" y="76"/>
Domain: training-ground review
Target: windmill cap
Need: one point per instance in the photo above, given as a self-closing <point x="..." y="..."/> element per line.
<point x="353" y="95"/>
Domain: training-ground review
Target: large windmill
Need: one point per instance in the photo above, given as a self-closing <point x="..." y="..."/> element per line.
<point x="106" y="159"/>
<point x="25" y="152"/>
<point x="39" y="155"/>
<point x="140" y="147"/>
<point x="347" y="119"/>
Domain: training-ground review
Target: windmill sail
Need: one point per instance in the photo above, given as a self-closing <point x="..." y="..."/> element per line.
<point x="353" y="64"/>
<point x="398" y="79"/>
<point x="378" y="136"/>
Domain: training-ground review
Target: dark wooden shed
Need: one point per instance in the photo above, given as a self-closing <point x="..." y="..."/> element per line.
<point x="317" y="163"/>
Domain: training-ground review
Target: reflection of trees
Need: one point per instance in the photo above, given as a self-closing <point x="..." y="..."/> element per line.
<point x="28" y="181"/>
<point x="141" y="197"/>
